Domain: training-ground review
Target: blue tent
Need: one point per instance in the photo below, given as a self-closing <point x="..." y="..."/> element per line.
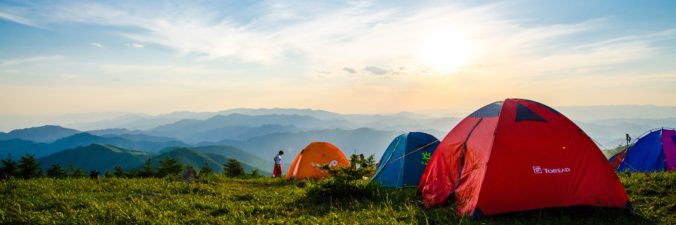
<point x="655" y="151"/>
<point x="404" y="161"/>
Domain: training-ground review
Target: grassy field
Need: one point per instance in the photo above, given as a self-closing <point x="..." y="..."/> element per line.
<point x="220" y="200"/>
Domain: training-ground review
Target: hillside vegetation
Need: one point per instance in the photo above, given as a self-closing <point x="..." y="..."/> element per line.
<point x="107" y="157"/>
<point x="220" y="200"/>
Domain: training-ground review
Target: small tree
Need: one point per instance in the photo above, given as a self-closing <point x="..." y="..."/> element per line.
<point x="118" y="172"/>
<point x="55" y="171"/>
<point x="206" y="170"/>
<point x="9" y="167"/>
<point x="233" y="168"/>
<point x="134" y="172"/>
<point x="255" y="173"/>
<point x="77" y="173"/>
<point x="147" y="170"/>
<point x="169" y="167"/>
<point x="29" y="167"/>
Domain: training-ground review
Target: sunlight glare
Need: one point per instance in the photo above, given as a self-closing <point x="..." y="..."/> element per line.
<point x="445" y="50"/>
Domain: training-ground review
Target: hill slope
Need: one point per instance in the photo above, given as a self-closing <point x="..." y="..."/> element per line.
<point x="17" y="148"/>
<point x="44" y="134"/>
<point x="239" y="154"/>
<point x="96" y="157"/>
<point x="187" y="156"/>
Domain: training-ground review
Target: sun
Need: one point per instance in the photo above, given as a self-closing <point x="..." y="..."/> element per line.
<point x="445" y="50"/>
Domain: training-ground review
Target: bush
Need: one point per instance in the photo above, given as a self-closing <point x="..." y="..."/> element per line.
<point x="77" y="173"/>
<point x="347" y="183"/>
<point x="206" y="170"/>
<point x="233" y="168"/>
<point x="169" y="167"/>
<point x="55" y="171"/>
<point x="29" y="167"/>
<point x="147" y="170"/>
<point x="9" y="168"/>
<point x="119" y="172"/>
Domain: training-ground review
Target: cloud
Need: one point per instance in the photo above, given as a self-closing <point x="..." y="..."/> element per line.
<point x="35" y="59"/>
<point x="134" y="45"/>
<point x="349" y="70"/>
<point x="96" y="44"/>
<point x="375" y="70"/>
<point x="17" y="19"/>
<point x="334" y="36"/>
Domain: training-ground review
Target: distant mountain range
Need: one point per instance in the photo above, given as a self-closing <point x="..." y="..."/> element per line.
<point x="107" y="157"/>
<point x="42" y="134"/>
<point x="360" y="141"/>
<point x="15" y="148"/>
<point x="611" y="132"/>
<point x="239" y="126"/>
<point x="96" y="157"/>
<point x="260" y="133"/>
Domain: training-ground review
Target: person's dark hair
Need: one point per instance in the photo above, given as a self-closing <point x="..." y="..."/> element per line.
<point x="281" y="152"/>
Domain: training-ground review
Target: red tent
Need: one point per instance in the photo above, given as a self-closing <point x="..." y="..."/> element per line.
<point x="518" y="155"/>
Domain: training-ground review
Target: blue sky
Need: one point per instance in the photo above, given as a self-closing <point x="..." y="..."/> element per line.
<point x="347" y="56"/>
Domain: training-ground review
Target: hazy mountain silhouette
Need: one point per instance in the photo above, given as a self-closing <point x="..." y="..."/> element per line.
<point x="239" y="154"/>
<point x="17" y="148"/>
<point x="197" y="159"/>
<point x="96" y="157"/>
<point x="240" y="126"/>
<point x="262" y="132"/>
<point x="43" y="134"/>
<point x="364" y="140"/>
<point x="107" y="157"/>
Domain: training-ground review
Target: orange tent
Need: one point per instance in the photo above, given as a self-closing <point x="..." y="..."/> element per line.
<point x="316" y="154"/>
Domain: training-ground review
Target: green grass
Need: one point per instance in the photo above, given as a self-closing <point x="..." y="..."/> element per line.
<point x="221" y="200"/>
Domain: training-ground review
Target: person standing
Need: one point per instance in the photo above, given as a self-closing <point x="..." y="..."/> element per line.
<point x="277" y="171"/>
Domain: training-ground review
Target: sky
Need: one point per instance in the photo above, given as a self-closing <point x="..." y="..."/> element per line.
<point x="59" y="57"/>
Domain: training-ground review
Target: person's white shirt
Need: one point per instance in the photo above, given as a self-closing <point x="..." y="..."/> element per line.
<point x="278" y="159"/>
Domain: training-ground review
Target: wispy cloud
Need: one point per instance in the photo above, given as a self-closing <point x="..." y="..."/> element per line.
<point x="96" y="44"/>
<point x="17" y="19"/>
<point x="375" y="70"/>
<point x="349" y="70"/>
<point x="355" y="35"/>
<point x="35" y="59"/>
<point x="301" y="47"/>
<point x="134" y="45"/>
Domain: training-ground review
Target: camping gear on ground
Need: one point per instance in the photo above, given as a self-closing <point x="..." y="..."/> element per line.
<point x="189" y="174"/>
<point x="405" y="160"/>
<point x="652" y="152"/>
<point x="307" y="163"/>
<point x="518" y="155"/>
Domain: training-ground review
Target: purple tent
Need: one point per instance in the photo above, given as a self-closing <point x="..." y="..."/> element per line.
<point x="654" y="151"/>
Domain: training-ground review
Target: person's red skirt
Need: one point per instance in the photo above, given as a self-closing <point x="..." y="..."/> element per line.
<point x="277" y="172"/>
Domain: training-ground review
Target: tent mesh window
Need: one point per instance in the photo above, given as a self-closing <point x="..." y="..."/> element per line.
<point x="523" y="113"/>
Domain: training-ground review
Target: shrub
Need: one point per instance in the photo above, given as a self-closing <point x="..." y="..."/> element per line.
<point x="233" y="168"/>
<point x="29" y="167"/>
<point x="205" y="170"/>
<point x="169" y="167"/>
<point x="9" y="168"/>
<point x="347" y="182"/>
<point x="118" y="172"/>
<point x="55" y="171"/>
<point x="147" y="170"/>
